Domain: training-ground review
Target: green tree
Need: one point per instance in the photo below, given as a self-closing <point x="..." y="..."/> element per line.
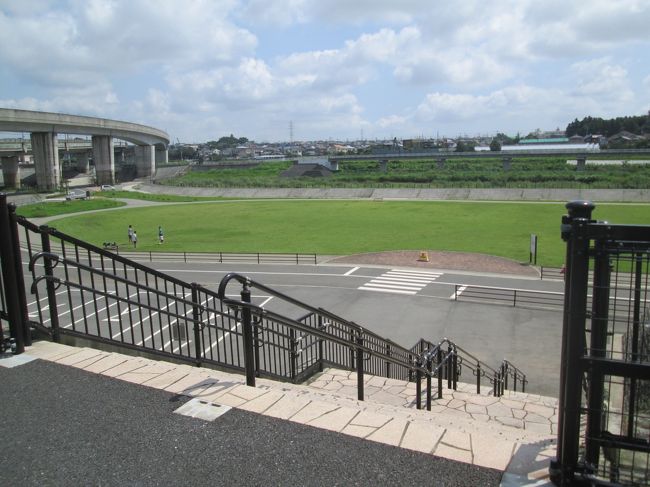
<point x="495" y="145"/>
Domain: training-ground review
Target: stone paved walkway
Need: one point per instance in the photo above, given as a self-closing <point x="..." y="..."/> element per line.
<point x="511" y="434"/>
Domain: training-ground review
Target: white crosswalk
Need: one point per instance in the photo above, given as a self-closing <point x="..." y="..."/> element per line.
<point x="401" y="281"/>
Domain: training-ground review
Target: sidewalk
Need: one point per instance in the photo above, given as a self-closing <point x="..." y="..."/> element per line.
<point x="274" y="434"/>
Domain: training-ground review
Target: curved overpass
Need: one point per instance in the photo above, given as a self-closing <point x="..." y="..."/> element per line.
<point x="151" y="144"/>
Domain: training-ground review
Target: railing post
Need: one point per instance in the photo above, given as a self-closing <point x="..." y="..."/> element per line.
<point x="320" y="345"/>
<point x="293" y="356"/>
<point x="49" y="285"/>
<point x="454" y="369"/>
<point x="196" y="318"/>
<point x="9" y="277"/>
<point x="249" y="344"/>
<point x="418" y="387"/>
<point x="20" y="279"/>
<point x="439" y="369"/>
<point x="429" y="384"/>
<point x="359" y="340"/>
<point x="448" y="365"/>
<point x="504" y="373"/>
<point x="573" y="337"/>
<point x="478" y="377"/>
<point x="387" y="362"/>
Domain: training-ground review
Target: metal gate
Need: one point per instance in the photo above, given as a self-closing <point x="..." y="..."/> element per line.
<point x="604" y="404"/>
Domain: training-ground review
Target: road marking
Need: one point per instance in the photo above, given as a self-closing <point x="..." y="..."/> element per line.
<point x="351" y="271"/>
<point x="457" y="293"/>
<point x="400" y="281"/>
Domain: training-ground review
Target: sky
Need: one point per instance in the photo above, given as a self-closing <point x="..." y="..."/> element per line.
<point x="280" y="70"/>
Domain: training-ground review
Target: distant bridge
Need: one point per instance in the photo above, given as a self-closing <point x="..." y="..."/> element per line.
<point x="150" y="145"/>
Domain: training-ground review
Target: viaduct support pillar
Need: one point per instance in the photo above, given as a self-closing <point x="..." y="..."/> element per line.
<point x="162" y="155"/>
<point x="104" y="159"/>
<point x="507" y="162"/>
<point x="581" y="161"/>
<point x="383" y="165"/>
<point x="440" y="162"/>
<point x="145" y="160"/>
<point x="334" y="165"/>
<point x="11" y="172"/>
<point x="83" y="162"/>
<point x="45" y="150"/>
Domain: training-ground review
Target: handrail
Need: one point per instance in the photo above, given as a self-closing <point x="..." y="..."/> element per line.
<point x="268" y="314"/>
<point x="244" y="280"/>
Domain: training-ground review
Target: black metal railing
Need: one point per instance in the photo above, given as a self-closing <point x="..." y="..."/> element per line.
<point x="509" y="296"/>
<point x="83" y="291"/>
<point x="604" y="403"/>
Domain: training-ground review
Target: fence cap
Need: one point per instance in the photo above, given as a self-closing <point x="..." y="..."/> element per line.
<point x="580" y="208"/>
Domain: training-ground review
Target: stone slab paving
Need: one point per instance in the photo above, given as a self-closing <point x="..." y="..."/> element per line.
<point x="513" y="434"/>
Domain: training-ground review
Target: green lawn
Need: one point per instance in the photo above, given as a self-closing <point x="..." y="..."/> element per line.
<point x="346" y="227"/>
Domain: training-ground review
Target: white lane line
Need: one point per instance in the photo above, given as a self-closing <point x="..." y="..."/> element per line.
<point x="424" y="273"/>
<point x="402" y="279"/>
<point x="372" y="284"/>
<point x="351" y="271"/>
<point x="381" y="290"/>
<point x="458" y="292"/>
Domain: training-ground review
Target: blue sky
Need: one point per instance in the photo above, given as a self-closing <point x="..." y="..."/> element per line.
<point x="335" y="69"/>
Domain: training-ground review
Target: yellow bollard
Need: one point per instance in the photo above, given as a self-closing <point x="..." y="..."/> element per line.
<point x="424" y="257"/>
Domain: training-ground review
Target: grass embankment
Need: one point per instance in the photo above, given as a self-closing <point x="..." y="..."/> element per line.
<point x="163" y="198"/>
<point x="550" y="172"/>
<point x="346" y="227"/>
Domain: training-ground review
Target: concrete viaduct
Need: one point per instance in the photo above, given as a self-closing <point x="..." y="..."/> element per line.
<point x="151" y="145"/>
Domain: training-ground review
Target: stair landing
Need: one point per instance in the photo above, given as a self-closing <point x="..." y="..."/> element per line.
<point x="466" y="428"/>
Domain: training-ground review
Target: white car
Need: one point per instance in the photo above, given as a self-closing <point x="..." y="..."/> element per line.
<point x="107" y="187"/>
<point x="76" y="195"/>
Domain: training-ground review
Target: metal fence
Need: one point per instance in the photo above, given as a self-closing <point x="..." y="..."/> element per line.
<point x="81" y="291"/>
<point x="604" y="404"/>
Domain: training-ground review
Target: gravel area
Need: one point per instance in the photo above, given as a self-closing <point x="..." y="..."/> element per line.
<point x="463" y="261"/>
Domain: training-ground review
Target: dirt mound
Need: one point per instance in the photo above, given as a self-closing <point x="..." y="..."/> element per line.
<point x="462" y="261"/>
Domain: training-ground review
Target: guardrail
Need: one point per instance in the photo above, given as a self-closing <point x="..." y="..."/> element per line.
<point x="510" y="296"/>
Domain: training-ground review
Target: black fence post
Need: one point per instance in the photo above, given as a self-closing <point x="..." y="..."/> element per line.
<point x="293" y="356"/>
<point x="20" y="278"/>
<point x="49" y="284"/>
<point x="454" y="370"/>
<point x="249" y="344"/>
<point x="387" y="362"/>
<point x="196" y="318"/>
<point x="320" y="345"/>
<point x="478" y="377"/>
<point x="359" y="340"/>
<point x="448" y="364"/>
<point x="439" y="371"/>
<point x="418" y="387"/>
<point x="573" y="338"/>
<point x="7" y="259"/>
<point x="429" y="369"/>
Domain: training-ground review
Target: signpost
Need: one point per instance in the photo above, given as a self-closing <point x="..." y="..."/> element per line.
<point x="533" y="249"/>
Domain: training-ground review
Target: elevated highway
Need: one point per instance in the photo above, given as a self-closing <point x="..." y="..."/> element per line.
<point x="150" y="145"/>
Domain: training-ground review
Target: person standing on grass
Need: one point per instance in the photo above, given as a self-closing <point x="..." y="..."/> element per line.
<point x="135" y="239"/>
<point x="161" y="235"/>
<point x="130" y="234"/>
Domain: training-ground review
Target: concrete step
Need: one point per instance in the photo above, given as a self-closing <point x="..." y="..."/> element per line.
<point x="449" y="432"/>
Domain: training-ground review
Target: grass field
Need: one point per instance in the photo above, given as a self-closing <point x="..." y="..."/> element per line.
<point x="346" y="227"/>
